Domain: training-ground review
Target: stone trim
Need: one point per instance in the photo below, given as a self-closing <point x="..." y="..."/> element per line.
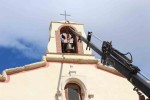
<point x="77" y="79"/>
<point x="69" y="54"/>
<point x="67" y="60"/>
<point x="86" y="61"/>
<point x="79" y="46"/>
<point x="3" y="76"/>
<point x="58" y="41"/>
<point x="67" y="23"/>
<point x="109" y="69"/>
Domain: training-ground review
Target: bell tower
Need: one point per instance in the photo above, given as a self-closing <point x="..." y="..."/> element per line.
<point x="61" y="41"/>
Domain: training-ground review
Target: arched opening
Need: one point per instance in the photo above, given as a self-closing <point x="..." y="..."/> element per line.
<point x="73" y="92"/>
<point x="68" y="41"/>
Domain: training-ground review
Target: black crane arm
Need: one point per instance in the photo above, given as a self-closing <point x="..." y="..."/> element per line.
<point x="120" y="62"/>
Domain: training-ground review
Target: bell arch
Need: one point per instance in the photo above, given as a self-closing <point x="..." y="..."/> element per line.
<point x="67" y="42"/>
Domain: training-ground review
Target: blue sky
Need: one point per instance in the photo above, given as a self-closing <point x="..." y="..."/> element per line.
<point x="24" y="27"/>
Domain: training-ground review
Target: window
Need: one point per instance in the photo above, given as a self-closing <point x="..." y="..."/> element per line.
<point x="73" y="92"/>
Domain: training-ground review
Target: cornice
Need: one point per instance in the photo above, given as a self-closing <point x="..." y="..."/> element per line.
<point x="63" y="22"/>
<point x="3" y="76"/>
<point x="109" y="69"/>
<point x="67" y="60"/>
<point x="5" y="73"/>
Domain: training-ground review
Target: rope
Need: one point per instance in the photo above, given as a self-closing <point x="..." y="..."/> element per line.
<point x="144" y="76"/>
<point x="97" y="38"/>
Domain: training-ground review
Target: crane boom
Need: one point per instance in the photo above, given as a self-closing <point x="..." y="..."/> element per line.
<point x="120" y="62"/>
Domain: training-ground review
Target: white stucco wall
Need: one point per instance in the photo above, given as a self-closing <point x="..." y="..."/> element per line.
<point x="41" y="84"/>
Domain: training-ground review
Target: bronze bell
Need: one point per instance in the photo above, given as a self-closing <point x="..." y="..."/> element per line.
<point x="69" y="47"/>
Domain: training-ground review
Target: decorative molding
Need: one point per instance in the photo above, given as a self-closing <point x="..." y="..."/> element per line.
<point x="58" y="41"/>
<point x="77" y="79"/>
<point x="108" y="69"/>
<point x="63" y="22"/>
<point x="3" y="76"/>
<point x="79" y="61"/>
<point x="91" y="96"/>
<point x="47" y="52"/>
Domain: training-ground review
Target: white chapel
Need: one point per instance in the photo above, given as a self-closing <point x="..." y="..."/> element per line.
<point x="67" y="72"/>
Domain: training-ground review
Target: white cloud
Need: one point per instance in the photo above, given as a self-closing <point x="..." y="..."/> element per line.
<point x="125" y="22"/>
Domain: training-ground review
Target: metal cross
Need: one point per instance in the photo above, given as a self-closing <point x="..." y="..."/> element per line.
<point x="65" y="14"/>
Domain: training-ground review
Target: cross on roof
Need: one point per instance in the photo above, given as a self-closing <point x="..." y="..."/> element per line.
<point x="65" y="14"/>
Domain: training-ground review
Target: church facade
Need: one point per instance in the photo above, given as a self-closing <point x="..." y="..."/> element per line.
<point x="67" y="72"/>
